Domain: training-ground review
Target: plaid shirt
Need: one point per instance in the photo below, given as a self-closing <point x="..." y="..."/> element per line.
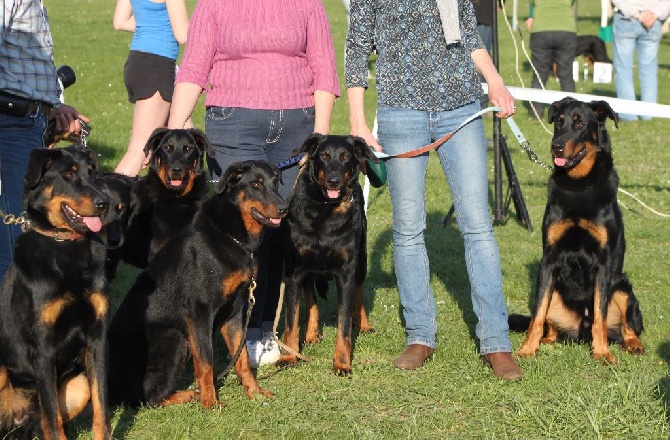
<point x="415" y="68"/>
<point x="27" y="67"/>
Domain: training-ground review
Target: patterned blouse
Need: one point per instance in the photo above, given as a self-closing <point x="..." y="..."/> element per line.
<point x="415" y="68"/>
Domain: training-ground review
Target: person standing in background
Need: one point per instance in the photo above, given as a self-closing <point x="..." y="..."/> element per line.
<point x="29" y="99"/>
<point x="553" y="39"/>
<point x="428" y="84"/>
<point x="637" y="27"/>
<point x="159" y="27"/>
<point x="271" y="81"/>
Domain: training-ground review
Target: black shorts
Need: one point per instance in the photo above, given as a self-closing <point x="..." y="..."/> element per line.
<point x="144" y="73"/>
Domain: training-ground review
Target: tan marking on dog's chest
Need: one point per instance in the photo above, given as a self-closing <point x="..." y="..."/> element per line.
<point x="598" y="232"/>
<point x="233" y="282"/>
<point x="99" y="303"/>
<point x="53" y="309"/>
<point x="555" y="231"/>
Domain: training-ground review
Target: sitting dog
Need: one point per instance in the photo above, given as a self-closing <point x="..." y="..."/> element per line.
<point x="582" y="293"/>
<point x="166" y="199"/>
<point x="54" y="313"/>
<point x="325" y="233"/>
<point x="197" y="284"/>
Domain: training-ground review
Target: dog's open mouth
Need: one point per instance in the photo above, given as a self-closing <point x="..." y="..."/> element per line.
<point x="175" y="183"/>
<point x="81" y="223"/>
<point x="333" y="193"/>
<point x="269" y="221"/>
<point x="570" y="162"/>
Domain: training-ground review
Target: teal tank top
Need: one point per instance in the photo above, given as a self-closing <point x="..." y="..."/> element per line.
<point x="153" y="32"/>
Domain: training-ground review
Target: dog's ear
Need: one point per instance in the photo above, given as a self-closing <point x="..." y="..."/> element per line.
<point x="603" y="111"/>
<point x="39" y="161"/>
<point x="310" y="144"/>
<point x="363" y="150"/>
<point x="202" y="142"/>
<point x="155" y="140"/>
<point x="232" y="175"/>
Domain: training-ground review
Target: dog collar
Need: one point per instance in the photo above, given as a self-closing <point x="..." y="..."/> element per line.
<point x="59" y="235"/>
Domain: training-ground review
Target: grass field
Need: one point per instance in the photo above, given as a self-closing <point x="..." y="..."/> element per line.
<point x="565" y="394"/>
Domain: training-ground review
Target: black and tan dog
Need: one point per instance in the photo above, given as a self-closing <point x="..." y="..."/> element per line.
<point x="582" y="293"/>
<point x="54" y="308"/>
<point x="325" y="233"/>
<point x="166" y="199"/>
<point x="197" y="284"/>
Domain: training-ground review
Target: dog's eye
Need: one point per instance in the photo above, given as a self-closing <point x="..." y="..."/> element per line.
<point x="256" y="185"/>
<point x="344" y="157"/>
<point x="169" y="148"/>
<point x="324" y="156"/>
<point x="579" y="125"/>
<point x="68" y="175"/>
<point x="187" y="149"/>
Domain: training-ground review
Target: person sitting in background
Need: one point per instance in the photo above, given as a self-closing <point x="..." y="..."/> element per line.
<point x="149" y="73"/>
<point x="29" y="99"/>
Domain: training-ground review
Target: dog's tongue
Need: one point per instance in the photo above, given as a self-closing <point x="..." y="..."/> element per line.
<point x="333" y="194"/>
<point x="275" y="221"/>
<point x="93" y="223"/>
<point x="175" y="182"/>
<point x="560" y="161"/>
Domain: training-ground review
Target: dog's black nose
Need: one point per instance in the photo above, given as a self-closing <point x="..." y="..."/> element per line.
<point x="177" y="170"/>
<point x="557" y="147"/>
<point x="334" y="181"/>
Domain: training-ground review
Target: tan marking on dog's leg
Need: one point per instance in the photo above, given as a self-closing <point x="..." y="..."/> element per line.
<point x="99" y="303"/>
<point x="631" y="341"/>
<point x="312" y="333"/>
<point x="52" y="309"/>
<point x="531" y="344"/>
<point x="601" y="350"/>
<point x="203" y="371"/>
<point x="73" y="396"/>
<point x="360" y="315"/>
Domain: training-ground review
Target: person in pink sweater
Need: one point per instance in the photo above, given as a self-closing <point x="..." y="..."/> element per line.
<point x="268" y="70"/>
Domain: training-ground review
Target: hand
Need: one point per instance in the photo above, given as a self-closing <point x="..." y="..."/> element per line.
<point x="501" y="97"/>
<point x="66" y="124"/>
<point x="529" y="24"/>
<point x="648" y="18"/>
<point x="364" y="132"/>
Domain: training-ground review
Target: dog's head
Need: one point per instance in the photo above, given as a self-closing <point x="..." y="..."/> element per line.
<point x="60" y="193"/>
<point x="334" y="161"/>
<point x="118" y="189"/>
<point x="177" y="157"/>
<point x="253" y="186"/>
<point x="579" y="134"/>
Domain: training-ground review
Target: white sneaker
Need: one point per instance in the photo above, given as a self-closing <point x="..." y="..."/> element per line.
<point x="271" y="352"/>
<point x="255" y="350"/>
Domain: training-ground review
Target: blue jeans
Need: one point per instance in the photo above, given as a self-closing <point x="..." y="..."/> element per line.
<point x="238" y="134"/>
<point x="463" y="160"/>
<point x="629" y="36"/>
<point x="20" y="134"/>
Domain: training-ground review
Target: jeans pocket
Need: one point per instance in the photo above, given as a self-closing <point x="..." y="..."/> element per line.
<point x="310" y="112"/>
<point x="219" y="113"/>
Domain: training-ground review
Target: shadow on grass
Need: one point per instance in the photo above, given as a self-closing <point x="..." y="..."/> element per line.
<point x="663" y="385"/>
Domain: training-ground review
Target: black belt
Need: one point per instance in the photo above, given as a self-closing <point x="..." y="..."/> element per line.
<point x="18" y="106"/>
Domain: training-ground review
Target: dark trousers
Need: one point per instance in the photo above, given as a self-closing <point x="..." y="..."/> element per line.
<point x="549" y="47"/>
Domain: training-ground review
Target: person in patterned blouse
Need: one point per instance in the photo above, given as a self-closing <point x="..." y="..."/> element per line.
<point x="427" y="81"/>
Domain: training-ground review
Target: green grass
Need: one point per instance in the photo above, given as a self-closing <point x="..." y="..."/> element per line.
<point x="564" y="394"/>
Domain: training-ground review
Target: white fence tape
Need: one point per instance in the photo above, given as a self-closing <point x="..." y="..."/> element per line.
<point x="618" y="105"/>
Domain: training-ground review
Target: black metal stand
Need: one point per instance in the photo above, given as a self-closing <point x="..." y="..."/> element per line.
<point x="500" y="155"/>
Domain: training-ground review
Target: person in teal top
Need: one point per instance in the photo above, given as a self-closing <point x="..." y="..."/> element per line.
<point x="159" y="27"/>
<point x="553" y="39"/>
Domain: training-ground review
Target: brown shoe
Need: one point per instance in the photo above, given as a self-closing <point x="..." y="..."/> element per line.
<point x="503" y="364"/>
<point x="414" y="356"/>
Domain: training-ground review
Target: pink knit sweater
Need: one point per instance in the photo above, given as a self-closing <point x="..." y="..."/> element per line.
<point x="260" y="54"/>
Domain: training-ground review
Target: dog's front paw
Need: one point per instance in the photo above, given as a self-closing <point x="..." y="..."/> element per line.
<point x="252" y="391"/>
<point x="525" y="351"/>
<point x="634" y="346"/>
<point x="342" y="370"/>
<point x="607" y="358"/>
<point x="286" y="360"/>
<point x="313" y="337"/>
